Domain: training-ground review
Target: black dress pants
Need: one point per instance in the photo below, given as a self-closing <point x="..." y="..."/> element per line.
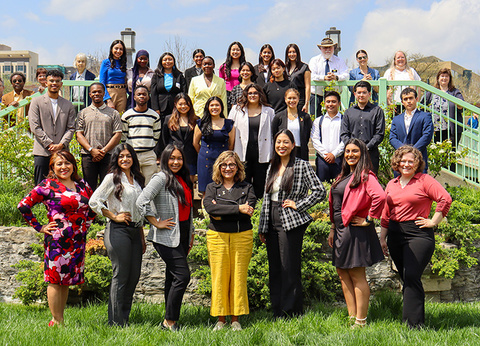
<point x="411" y="249"/>
<point x="93" y="171"/>
<point x="41" y="168"/>
<point x="255" y="172"/>
<point x="284" y="250"/>
<point x="177" y="273"/>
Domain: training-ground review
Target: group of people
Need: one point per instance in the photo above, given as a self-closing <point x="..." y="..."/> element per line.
<point x="245" y="134"/>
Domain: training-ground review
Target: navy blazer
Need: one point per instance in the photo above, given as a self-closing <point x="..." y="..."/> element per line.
<point x="162" y="100"/>
<point x="419" y="136"/>
<point x="88" y="76"/>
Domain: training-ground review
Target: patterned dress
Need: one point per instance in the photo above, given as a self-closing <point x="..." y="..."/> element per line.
<point x="64" y="257"/>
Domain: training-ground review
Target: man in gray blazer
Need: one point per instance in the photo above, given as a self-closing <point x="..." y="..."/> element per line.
<point x="52" y="122"/>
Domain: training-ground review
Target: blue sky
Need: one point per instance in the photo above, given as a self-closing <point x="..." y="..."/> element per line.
<point x="58" y="29"/>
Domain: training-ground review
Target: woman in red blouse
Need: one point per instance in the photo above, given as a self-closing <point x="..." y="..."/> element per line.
<point x="405" y="221"/>
<point x="65" y="195"/>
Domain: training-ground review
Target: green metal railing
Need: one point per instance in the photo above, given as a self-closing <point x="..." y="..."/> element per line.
<point x="467" y="168"/>
<point x="464" y="136"/>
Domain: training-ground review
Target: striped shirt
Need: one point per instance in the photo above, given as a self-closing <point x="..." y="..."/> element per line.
<point x="141" y="129"/>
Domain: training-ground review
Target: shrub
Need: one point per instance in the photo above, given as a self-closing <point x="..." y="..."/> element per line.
<point x="319" y="278"/>
<point x="33" y="287"/>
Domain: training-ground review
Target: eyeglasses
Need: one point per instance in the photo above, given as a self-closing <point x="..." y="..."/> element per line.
<point x="230" y="166"/>
<point x="362" y="58"/>
<point x="17" y="81"/>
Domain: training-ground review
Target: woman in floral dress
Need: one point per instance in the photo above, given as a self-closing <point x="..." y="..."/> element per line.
<point x="65" y="195"/>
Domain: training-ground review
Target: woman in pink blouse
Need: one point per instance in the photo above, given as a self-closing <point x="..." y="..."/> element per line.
<point x="407" y="232"/>
<point x="229" y="70"/>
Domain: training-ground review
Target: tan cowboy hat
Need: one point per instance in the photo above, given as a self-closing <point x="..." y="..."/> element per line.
<point x="326" y="42"/>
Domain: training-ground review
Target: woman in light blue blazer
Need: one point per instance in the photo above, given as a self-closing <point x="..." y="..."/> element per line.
<point x="171" y="231"/>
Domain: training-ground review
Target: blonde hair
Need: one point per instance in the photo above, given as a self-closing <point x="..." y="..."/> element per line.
<point x="393" y="67"/>
<point x="217" y="175"/>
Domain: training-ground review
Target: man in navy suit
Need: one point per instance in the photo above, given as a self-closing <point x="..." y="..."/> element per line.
<point x="413" y="126"/>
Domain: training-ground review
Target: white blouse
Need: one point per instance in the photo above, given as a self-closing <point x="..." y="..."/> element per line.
<point x="105" y="193"/>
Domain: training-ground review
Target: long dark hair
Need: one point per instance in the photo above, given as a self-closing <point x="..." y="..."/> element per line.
<point x="206" y="121"/>
<point x="280" y="63"/>
<point x="117" y="171"/>
<point x="123" y="58"/>
<point x="298" y="59"/>
<point x="227" y="67"/>
<point x="287" y="178"/>
<point x="243" y="100"/>
<point x="174" y="121"/>
<point x="253" y="78"/>
<point x="172" y="184"/>
<point x="363" y="167"/>
<point x="159" y="71"/>
<point x="260" y="60"/>
<point x="66" y="155"/>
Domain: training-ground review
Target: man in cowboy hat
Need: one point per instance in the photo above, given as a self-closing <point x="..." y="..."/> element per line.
<point x="325" y="67"/>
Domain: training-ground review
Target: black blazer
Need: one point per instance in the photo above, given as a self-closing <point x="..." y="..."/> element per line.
<point x="260" y="79"/>
<point x="88" y="76"/>
<point x="189" y="74"/>
<point x="280" y="122"/>
<point x="182" y="141"/>
<point x="162" y="100"/>
<point x="224" y="213"/>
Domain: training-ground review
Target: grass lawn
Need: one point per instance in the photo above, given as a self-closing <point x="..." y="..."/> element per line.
<point x="322" y="324"/>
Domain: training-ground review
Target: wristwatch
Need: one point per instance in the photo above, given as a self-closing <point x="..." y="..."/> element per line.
<point x="90" y="149"/>
<point x="368" y="219"/>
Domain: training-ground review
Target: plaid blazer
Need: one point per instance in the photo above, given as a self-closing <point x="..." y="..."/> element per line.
<point x="165" y="206"/>
<point x="304" y="180"/>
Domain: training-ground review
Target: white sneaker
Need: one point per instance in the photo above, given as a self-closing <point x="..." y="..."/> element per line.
<point x="219" y="326"/>
<point x="236" y="326"/>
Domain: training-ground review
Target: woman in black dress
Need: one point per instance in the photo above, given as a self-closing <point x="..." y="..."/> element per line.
<point x="277" y="86"/>
<point x="355" y="199"/>
<point x="299" y="74"/>
<point x="265" y="58"/>
<point x="167" y="82"/>
<point x="178" y="130"/>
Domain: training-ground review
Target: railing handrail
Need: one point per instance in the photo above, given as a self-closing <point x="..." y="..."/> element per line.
<point x="28" y="99"/>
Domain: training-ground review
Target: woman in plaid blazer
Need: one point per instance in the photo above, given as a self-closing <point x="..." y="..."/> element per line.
<point x="171" y="230"/>
<point x="292" y="187"/>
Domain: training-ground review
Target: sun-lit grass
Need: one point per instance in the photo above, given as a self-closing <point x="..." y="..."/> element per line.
<point x="322" y="324"/>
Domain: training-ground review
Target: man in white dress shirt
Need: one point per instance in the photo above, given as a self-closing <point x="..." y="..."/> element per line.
<point x="326" y="139"/>
<point x="325" y="67"/>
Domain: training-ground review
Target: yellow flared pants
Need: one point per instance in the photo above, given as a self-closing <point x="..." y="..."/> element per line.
<point x="229" y="255"/>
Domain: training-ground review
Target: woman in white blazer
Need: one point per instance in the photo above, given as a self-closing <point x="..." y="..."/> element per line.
<point x="252" y="118"/>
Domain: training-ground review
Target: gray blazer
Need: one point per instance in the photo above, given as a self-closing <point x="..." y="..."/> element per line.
<point x="165" y="207"/>
<point x="47" y="130"/>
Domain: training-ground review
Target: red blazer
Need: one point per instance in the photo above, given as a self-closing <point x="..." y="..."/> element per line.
<point x="367" y="199"/>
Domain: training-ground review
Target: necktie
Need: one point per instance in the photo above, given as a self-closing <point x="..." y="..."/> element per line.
<point x="327" y="67"/>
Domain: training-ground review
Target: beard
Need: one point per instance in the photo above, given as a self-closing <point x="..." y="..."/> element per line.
<point x="327" y="56"/>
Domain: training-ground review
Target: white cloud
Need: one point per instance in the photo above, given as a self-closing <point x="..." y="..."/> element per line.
<point x="35" y="18"/>
<point x="448" y="29"/>
<point x="293" y="20"/>
<point x="86" y="9"/>
<point x="8" y="23"/>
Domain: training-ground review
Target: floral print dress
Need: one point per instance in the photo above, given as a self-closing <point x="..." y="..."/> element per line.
<point x="64" y="257"/>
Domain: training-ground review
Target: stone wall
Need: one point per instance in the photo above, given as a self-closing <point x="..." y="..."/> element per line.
<point x="15" y="246"/>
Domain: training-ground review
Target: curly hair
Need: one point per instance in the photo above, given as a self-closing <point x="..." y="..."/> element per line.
<point x="407" y="149"/>
<point x="66" y="155"/>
